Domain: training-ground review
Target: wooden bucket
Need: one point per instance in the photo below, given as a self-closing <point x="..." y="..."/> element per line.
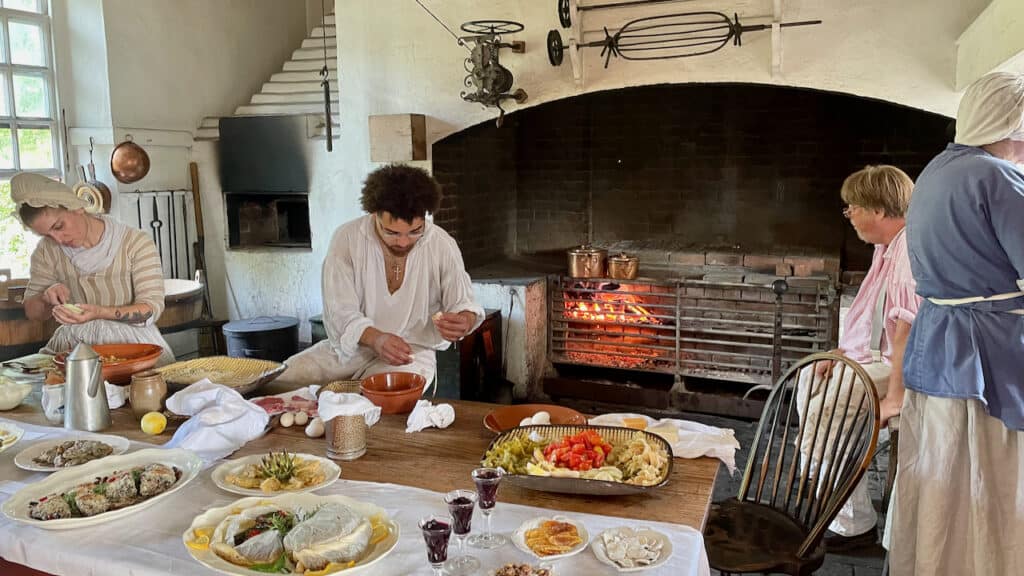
<point x="183" y="305"/>
<point x="19" y="335"/>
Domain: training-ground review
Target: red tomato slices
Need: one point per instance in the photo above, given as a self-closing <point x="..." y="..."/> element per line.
<point x="580" y="452"/>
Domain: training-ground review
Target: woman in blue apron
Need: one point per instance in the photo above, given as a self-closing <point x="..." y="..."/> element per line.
<point x="958" y="506"/>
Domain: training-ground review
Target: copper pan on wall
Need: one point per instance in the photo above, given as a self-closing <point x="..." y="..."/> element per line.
<point x="129" y="162"/>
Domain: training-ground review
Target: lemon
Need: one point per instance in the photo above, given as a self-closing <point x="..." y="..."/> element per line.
<point x="154" y="423"/>
<point x="202" y="539"/>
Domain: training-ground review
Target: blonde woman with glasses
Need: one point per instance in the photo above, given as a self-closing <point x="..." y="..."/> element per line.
<point x="874" y="334"/>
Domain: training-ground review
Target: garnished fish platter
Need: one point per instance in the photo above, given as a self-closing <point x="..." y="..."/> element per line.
<point x="291" y="534"/>
<point x="593" y="460"/>
<point x="103" y="490"/>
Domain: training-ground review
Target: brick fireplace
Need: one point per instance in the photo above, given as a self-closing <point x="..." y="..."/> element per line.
<point x="719" y="189"/>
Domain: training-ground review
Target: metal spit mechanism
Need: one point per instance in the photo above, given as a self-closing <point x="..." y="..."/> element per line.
<point x="666" y="37"/>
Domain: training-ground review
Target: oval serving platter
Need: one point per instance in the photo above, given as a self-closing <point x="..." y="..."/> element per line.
<point x="26" y="458"/>
<point x="613" y="434"/>
<point x="220" y="473"/>
<point x="214" y="516"/>
<point x="17" y="506"/>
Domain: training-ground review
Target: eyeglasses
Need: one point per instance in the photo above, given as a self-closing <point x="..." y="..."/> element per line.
<point x="392" y="234"/>
<point x="849" y="210"/>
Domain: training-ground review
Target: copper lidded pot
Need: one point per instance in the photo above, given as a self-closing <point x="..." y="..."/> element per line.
<point x="587" y="261"/>
<point x="623" y="267"/>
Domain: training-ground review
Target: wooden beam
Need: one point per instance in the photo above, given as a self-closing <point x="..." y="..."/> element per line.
<point x="398" y="137"/>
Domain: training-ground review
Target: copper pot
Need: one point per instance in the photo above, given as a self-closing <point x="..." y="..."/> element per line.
<point x="623" y="267"/>
<point x="129" y="162"/>
<point x="587" y="262"/>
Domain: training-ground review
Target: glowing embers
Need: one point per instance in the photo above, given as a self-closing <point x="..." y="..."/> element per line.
<point x="609" y="307"/>
<point x="621" y="326"/>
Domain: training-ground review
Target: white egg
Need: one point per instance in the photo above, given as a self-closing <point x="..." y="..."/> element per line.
<point x="526" y="421"/>
<point x="287" y="419"/>
<point x="301" y="418"/>
<point x="315" y="428"/>
<point x="541" y="417"/>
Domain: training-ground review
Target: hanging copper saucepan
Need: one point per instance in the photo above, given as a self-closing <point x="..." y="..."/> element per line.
<point x="129" y="162"/>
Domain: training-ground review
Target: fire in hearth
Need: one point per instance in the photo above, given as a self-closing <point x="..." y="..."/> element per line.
<point x="609" y="307"/>
<point x="607" y="325"/>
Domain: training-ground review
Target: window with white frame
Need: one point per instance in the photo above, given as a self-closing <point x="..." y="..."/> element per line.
<point x="29" y="140"/>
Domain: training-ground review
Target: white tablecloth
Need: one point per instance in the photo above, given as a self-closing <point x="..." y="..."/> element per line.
<point x="149" y="542"/>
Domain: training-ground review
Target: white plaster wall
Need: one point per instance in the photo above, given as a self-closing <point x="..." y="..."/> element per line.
<point x="394" y="58"/>
<point x="81" y="61"/>
<point x="994" y="39"/>
<point x="173" y="62"/>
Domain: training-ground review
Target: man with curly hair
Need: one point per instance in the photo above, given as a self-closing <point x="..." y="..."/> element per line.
<point x="395" y="289"/>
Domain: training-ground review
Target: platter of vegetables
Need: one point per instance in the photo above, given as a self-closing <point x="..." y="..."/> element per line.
<point x="579" y="459"/>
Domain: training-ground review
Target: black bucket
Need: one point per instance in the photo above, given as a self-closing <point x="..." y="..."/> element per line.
<point x="266" y="337"/>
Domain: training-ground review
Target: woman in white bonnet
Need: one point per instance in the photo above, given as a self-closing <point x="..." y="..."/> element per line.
<point x="958" y="506"/>
<point x="109" y="272"/>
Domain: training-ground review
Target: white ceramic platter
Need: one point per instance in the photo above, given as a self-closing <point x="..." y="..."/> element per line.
<point x="16" y="507"/>
<point x="9" y="435"/>
<point x="24" y="459"/>
<point x="645" y="535"/>
<point x="306" y="502"/>
<point x="519" y="537"/>
<point x="221" y="472"/>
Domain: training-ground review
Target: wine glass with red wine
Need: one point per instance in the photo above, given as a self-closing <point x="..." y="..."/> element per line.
<point x="437" y="530"/>
<point x="487" y="481"/>
<point x="460" y="506"/>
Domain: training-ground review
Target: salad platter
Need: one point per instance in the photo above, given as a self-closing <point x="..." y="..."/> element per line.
<point x="291" y="534"/>
<point x="261" y="474"/>
<point x="582" y="459"/>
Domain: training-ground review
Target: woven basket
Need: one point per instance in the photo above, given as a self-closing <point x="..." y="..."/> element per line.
<point x="340" y="386"/>
<point x="244" y="375"/>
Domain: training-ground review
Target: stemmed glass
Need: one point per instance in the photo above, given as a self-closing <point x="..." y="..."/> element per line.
<point x="487" y="480"/>
<point x="460" y="506"/>
<point x="436" y="531"/>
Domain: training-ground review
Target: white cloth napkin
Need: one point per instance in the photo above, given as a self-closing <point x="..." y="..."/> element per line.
<point x="695" y="439"/>
<point x="425" y="415"/>
<point x="334" y="404"/>
<point x="53" y="398"/>
<point x="116" y="395"/>
<point x="221" y="420"/>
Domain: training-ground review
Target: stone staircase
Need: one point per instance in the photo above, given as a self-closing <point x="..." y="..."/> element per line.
<point x="295" y="90"/>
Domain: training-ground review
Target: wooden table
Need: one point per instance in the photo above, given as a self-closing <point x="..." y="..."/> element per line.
<point x="441" y="460"/>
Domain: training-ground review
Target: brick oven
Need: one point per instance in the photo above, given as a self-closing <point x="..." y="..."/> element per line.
<point x="719" y="189"/>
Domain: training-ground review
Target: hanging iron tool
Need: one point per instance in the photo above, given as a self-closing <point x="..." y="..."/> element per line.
<point x="325" y="83"/>
<point x="492" y="80"/>
<point x="156" y="224"/>
<point x="565" y="9"/>
<point x="779" y="287"/>
<point x="666" y="37"/>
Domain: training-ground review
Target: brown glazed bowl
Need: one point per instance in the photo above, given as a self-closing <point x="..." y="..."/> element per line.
<point x="394" y="392"/>
<point x="120" y="361"/>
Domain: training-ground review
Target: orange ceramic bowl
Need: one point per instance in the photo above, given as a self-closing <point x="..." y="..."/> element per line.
<point x="394" y="392"/>
<point x="120" y="361"/>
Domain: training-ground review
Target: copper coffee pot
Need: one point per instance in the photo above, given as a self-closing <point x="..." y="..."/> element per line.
<point x="129" y="162"/>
